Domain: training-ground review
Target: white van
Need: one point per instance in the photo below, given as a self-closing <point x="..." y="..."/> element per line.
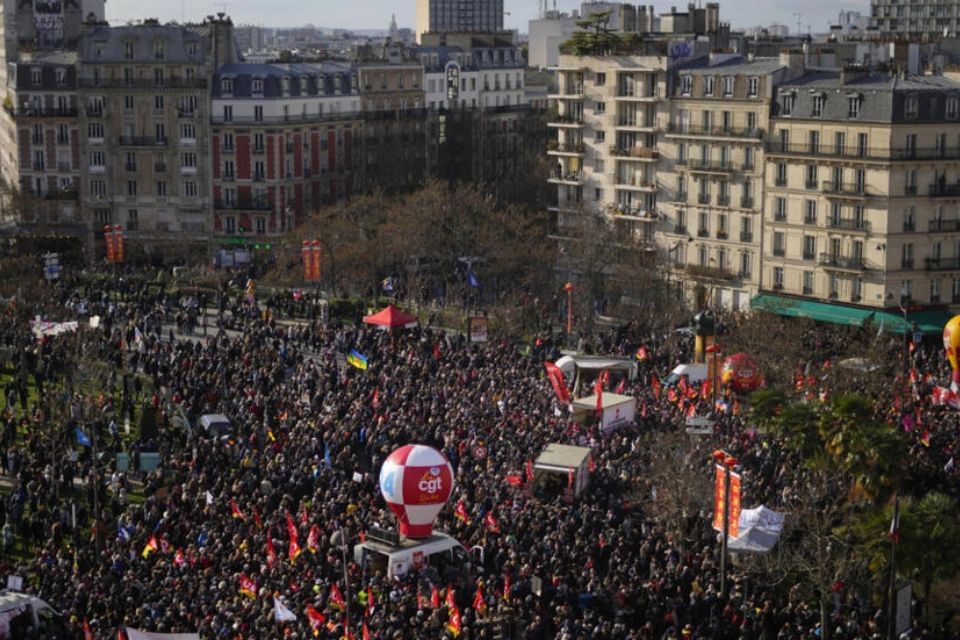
<point x="24" y="616"/>
<point x="215" y="424"/>
<point x="395" y="560"/>
<point x="696" y="373"/>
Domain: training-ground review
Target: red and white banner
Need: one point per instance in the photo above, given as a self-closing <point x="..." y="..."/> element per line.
<point x="559" y="384"/>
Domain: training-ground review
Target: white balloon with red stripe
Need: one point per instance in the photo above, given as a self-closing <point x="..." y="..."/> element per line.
<point x="416" y="481"/>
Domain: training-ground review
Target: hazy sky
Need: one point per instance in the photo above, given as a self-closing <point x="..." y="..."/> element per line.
<point x="375" y="14"/>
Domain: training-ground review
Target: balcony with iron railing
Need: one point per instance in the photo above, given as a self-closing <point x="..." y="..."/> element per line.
<point x="142" y="141"/>
<point x="566" y="119"/>
<point x="143" y="83"/>
<point x="940" y="190"/>
<point x="633" y="123"/>
<point x="703" y="198"/>
<point x="747" y="203"/>
<point x="677" y="129"/>
<point x="634" y="213"/>
<point x="850" y="263"/>
<point x="844" y="190"/>
<point x="723" y="200"/>
<point x="703" y="233"/>
<point x="942" y="264"/>
<point x="848" y="224"/>
<point x="564" y="147"/>
<point x="944" y="225"/>
<point x="639" y="153"/>
<point x="243" y="203"/>
<point x="29" y="112"/>
<point x="629" y="181"/>
<point x="709" y="273"/>
<point x="746" y="236"/>
<point x="700" y="165"/>
<point x="566" y="177"/>
<point x="829" y="151"/>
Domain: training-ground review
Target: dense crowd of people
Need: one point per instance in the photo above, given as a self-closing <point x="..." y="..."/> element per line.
<point x="232" y="525"/>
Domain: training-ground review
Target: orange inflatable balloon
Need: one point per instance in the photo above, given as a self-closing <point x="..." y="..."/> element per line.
<point x="951" y="344"/>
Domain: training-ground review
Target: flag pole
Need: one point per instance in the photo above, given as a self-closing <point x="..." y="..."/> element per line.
<point x="892" y="604"/>
<point x="346" y="578"/>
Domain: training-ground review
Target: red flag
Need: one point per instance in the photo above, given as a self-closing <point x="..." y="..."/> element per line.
<point x="555" y="375"/>
<point x="672" y="395"/>
<point x="313" y="538"/>
<point x="598" y="388"/>
<point x="335" y="599"/>
<point x="376" y="398"/>
<point x="506" y="586"/>
<point x="256" y="518"/>
<point x="705" y="389"/>
<point x="655" y="386"/>
<point x="622" y="386"/>
<point x="528" y="468"/>
<point x="591" y="465"/>
<point x="491" y="523"/>
<point x="460" y="511"/>
<point x="479" y="603"/>
<point x="291" y="528"/>
<point x="514" y="480"/>
<point x="365" y="635"/>
<point x="642" y="353"/>
<point x="454" y="624"/>
<point x="570" y="478"/>
<point x="121" y="634"/>
<point x="434" y="597"/>
<point x="371" y="599"/>
<point x="87" y="631"/>
<point x="235" y="510"/>
<point x="271" y="552"/>
<point x="437" y="354"/>
<point x="151" y="546"/>
<point x="316" y="619"/>
<point x="304" y="516"/>
<point x="451" y="597"/>
<point x="293" y="550"/>
<point x="248" y="587"/>
<point x="179" y="559"/>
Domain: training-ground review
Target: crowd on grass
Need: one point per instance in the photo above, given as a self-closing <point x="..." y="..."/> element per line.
<point x="233" y="525"/>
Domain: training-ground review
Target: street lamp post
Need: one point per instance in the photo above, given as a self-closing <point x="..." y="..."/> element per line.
<point x="568" y="287"/>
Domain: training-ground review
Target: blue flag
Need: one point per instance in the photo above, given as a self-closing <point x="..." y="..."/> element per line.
<point x="357" y="360"/>
<point x="326" y="457"/>
<point x="472" y="279"/>
<point x="82" y="438"/>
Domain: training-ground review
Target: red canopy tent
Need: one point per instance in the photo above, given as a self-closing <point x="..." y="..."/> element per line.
<point x="391" y="318"/>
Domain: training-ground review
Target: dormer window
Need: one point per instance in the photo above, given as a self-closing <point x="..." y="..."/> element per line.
<point x="158" y="50"/>
<point x="191" y="49"/>
<point x="708" y="82"/>
<point x="336" y="84"/>
<point x="36" y="76"/>
<point x="286" y="85"/>
<point x="911" y="107"/>
<point x="226" y="86"/>
<point x="853" y="106"/>
<point x="304" y="84"/>
<point x="128" y="51"/>
<point x="257" y="85"/>
<point x="786" y="103"/>
<point x="686" y="84"/>
<point x="321" y="85"/>
<point x="953" y="106"/>
<point x="61" y="76"/>
<point x="818" y="100"/>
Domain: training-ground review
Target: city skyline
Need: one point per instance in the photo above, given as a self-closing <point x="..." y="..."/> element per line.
<point x="375" y="14"/>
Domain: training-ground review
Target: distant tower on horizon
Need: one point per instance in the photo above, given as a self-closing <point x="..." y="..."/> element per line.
<point x="394" y="30"/>
<point x="458" y="16"/>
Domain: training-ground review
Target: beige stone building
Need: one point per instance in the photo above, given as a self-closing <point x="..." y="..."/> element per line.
<point x="605" y="154"/>
<point x="144" y="121"/>
<point x="862" y="190"/>
<point x="711" y="177"/>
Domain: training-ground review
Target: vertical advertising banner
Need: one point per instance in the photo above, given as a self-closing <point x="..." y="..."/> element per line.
<point x="48" y="24"/>
<point x="719" y="497"/>
<point x="733" y="526"/>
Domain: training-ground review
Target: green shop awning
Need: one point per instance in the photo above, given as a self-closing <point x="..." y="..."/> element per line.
<point x="819" y="311"/>
<point x="926" y="321"/>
